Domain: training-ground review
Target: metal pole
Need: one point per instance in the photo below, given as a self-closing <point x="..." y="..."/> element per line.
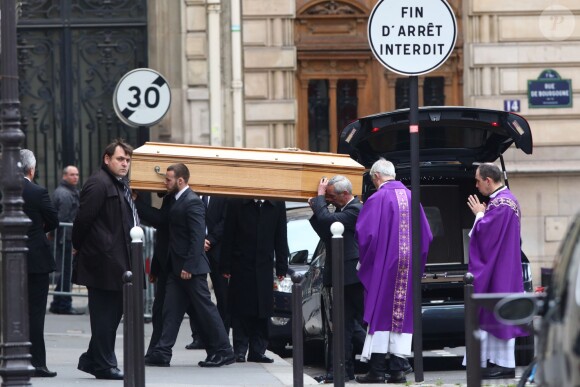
<point x="297" y="333"/>
<point x="138" y="330"/>
<point x="15" y="366"/>
<point x="472" y="339"/>
<point x="128" y="323"/>
<point x="416" y="225"/>
<point x="338" y="363"/>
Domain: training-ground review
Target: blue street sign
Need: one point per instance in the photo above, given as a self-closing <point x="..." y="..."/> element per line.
<point x="550" y="91"/>
<point x="511" y="105"/>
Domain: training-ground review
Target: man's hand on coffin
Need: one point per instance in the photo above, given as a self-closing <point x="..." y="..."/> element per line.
<point x="322" y="186"/>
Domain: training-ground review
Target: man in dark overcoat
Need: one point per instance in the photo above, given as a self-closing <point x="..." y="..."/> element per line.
<point x="255" y="234"/>
<point x="101" y="245"/>
<point x="40" y="261"/>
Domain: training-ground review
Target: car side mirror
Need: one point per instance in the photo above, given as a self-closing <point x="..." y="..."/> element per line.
<point x="516" y="310"/>
<point x="298" y="257"/>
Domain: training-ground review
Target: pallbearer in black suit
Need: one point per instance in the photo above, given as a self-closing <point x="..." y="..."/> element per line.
<point x="215" y="215"/>
<point x="38" y="207"/>
<point x="187" y="277"/>
<point x="255" y="232"/>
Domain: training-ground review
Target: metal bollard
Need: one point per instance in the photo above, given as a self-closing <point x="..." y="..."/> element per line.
<point x="472" y="334"/>
<point x="134" y="331"/>
<point x="128" y="323"/>
<point x="337" y="229"/>
<point x="297" y="333"/>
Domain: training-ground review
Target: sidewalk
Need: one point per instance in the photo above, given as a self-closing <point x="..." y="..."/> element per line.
<point x="68" y="336"/>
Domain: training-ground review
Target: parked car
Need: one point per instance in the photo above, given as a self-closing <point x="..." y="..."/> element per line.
<point x="302" y="240"/>
<point x="557" y="361"/>
<point x="453" y="141"/>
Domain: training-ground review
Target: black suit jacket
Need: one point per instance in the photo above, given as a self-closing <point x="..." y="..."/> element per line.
<point x="187" y="235"/>
<point x="39" y="208"/>
<point x="215" y="221"/>
<point x="158" y="218"/>
<point x="321" y="221"/>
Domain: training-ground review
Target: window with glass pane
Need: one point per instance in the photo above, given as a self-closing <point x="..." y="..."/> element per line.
<point x="318" y="126"/>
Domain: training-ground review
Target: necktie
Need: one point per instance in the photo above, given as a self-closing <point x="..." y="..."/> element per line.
<point x="129" y="199"/>
<point x="205" y="200"/>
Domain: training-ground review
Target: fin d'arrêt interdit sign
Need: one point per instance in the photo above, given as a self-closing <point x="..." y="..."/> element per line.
<point x="412" y="37"/>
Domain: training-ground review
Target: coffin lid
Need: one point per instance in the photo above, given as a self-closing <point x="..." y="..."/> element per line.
<point x="281" y="174"/>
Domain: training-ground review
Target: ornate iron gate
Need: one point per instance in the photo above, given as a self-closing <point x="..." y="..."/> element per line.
<point x="71" y="54"/>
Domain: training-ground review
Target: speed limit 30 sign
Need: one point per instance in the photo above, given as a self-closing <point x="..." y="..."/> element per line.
<point x="142" y="97"/>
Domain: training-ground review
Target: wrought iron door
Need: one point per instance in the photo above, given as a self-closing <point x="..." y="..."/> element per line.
<point x="71" y="55"/>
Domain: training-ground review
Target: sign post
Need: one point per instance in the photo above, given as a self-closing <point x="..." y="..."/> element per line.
<point x="413" y="37"/>
<point x="142" y="97"/>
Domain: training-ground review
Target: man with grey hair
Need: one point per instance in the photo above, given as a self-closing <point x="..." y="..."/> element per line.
<point x="40" y="262"/>
<point x="383" y="231"/>
<point x="338" y="192"/>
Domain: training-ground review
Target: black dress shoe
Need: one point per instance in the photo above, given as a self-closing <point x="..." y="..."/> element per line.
<point x="86" y="368"/>
<point x="259" y="358"/>
<point x="406" y="371"/>
<point x="69" y="311"/>
<point x="43" y="372"/>
<point x="218" y="360"/>
<point x="155" y="360"/>
<point x="109" y="374"/>
<point x="498" y="372"/>
<point x="370" y="378"/>
<point x="328" y="378"/>
<point x="397" y="377"/>
<point x="240" y="358"/>
<point x="195" y="344"/>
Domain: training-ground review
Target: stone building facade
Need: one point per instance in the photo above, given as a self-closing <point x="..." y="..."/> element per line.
<point x="279" y="60"/>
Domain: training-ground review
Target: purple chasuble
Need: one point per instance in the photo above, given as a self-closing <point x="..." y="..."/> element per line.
<point x="495" y="258"/>
<point x="383" y="231"/>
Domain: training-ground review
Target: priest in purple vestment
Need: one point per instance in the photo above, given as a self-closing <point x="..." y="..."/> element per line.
<point x="383" y="231"/>
<point x="495" y="262"/>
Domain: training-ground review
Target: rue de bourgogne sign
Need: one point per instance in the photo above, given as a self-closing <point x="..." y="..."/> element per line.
<point x="412" y="37"/>
<point x="550" y="91"/>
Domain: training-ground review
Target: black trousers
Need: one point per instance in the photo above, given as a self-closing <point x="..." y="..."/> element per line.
<point x="353" y="331"/>
<point x="105" y="312"/>
<point x="220" y="289"/>
<point x="250" y="334"/>
<point x="37" y="297"/>
<point x="180" y="295"/>
<point x="157" y="311"/>
<point x="62" y="277"/>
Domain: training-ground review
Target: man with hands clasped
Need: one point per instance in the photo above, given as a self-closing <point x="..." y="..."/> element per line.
<point x="495" y="262"/>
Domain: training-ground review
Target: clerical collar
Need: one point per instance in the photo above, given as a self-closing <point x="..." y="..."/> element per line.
<point x="385" y="183"/>
<point x="177" y="195"/>
<point x="494" y="193"/>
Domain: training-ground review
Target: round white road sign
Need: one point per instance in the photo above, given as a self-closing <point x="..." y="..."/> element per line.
<point x="412" y="37"/>
<point x="142" y="97"/>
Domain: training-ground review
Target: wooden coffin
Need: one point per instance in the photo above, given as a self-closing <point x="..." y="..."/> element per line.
<point x="242" y="172"/>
